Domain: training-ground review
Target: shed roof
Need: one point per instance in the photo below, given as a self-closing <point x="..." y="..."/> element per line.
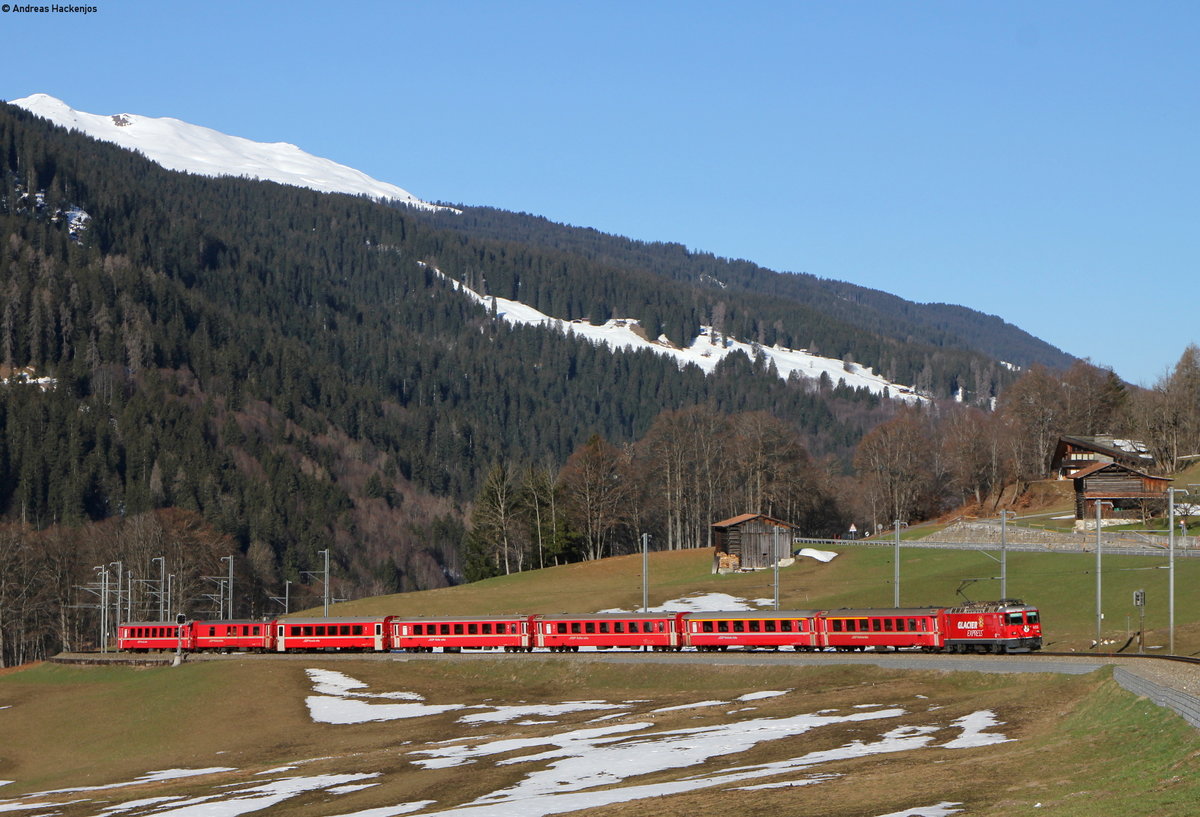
<point x="733" y="521"/>
<point x="1087" y="471"/>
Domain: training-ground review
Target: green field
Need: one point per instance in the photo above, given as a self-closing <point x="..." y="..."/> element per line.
<point x="1061" y="585"/>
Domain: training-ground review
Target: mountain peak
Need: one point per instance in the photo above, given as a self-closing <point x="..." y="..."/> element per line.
<point x="178" y="145"/>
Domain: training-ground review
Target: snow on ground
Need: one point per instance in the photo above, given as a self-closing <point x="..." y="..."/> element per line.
<point x="178" y="145"/>
<point x="819" y="555"/>
<point x="500" y="714"/>
<point x="706" y="350"/>
<point x="558" y="772"/>
<point x="766" y="693"/>
<point x="943" y="809"/>
<point x="702" y="603"/>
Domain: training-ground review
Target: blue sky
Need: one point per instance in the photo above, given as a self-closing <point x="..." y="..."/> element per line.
<point x="1033" y="160"/>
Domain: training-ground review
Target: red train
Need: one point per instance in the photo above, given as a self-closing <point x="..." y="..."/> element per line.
<point x="985" y="627"/>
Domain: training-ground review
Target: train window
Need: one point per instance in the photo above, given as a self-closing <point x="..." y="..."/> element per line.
<point x="876" y="625"/>
<point x="589" y="627"/>
<point x="837" y="625"/>
<point x="633" y="626"/>
<point x="618" y="626"/>
<point x="445" y="629"/>
<point x="308" y="630"/>
<point x="576" y="627"/>
<point x="256" y="630"/>
<point x="785" y="626"/>
<point x="887" y="625"/>
<point x="722" y="626"/>
<point x="458" y="629"/>
<point x="769" y="625"/>
<point x="604" y="626"/>
<point x="357" y="629"/>
<point x="1031" y="617"/>
<point x="561" y="627"/>
<point x="345" y="629"/>
<point x="418" y="629"/>
<point x="754" y="625"/>
<point x="739" y="626"/>
<point x="320" y="630"/>
<point x="912" y="625"/>
<point x="706" y="626"/>
<point x="1014" y="619"/>
<point x="212" y="631"/>
<point x="472" y="629"/>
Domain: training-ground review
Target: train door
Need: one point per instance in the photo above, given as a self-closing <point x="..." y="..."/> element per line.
<point x="280" y="640"/>
<point x="379" y="636"/>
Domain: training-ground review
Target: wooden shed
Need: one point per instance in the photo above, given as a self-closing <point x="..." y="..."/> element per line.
<point x="748" y="542"/>
<point x="1126" y="488"/>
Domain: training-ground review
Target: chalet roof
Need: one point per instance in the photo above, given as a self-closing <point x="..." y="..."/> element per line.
<point x="734" y="521"/>
<point x="1100" y="466"/>
<point x="1108" y="447"/>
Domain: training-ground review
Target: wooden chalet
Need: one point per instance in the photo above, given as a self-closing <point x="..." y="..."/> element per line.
<point x="1126" y="488"/>
<point x="1075" y="453"/>
<point x="748" y="542"/>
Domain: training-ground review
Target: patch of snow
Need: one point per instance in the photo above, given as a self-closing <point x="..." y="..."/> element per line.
<point x="142" y="803"/>
<point x="819" y="555"/>
<point x="391" y="811"/>
<point x="339" y="710"/>
<point x="698" y="603"/>
<point x="973" y="734"/>
<point x="696" y="705"/>
<point x="501" y="714"/>
<point x="258" y="797"/>
<point x="757" y="696"/>
<point x="148" y="777"/>
<point x="943" y="809"/>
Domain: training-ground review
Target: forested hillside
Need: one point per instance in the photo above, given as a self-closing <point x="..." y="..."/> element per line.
<point x="899" y="338"/>
<point x="275" y="372"/>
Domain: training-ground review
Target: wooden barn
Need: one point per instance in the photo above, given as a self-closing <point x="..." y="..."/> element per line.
<point x="1073" y="454"/>
<point x="1126" y="488"/>
<point x="748" y="542"/>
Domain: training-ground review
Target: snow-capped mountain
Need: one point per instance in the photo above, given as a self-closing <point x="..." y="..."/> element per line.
<point x="178" y="145"/>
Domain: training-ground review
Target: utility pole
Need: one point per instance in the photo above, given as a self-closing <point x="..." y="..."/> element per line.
<point x="162" y="586"/>
<point x="775" y="549"/>
<point x="229" y="585"/>
<point x="645" y="572"/>
<point x="102" y="570"/>
<point x="896" y="567"/>
<point x="1004" y="552"/>
<point x="1171" y="567"/>
<point x="1099" y="550"/>
<point x="326" y="552"/>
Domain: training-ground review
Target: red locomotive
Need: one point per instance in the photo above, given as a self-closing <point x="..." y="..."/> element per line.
<point x="995" y="627"/>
